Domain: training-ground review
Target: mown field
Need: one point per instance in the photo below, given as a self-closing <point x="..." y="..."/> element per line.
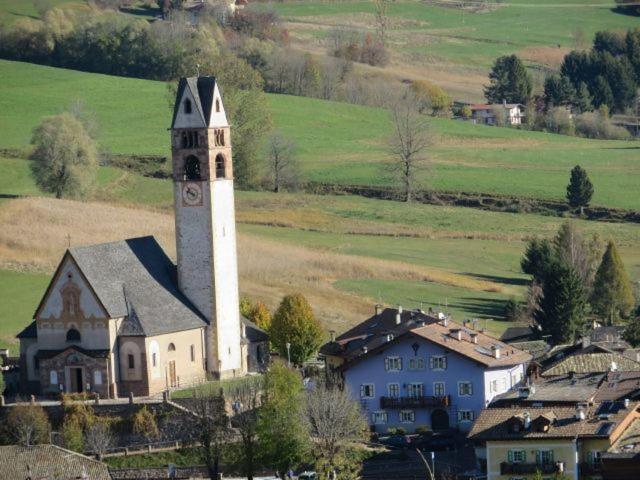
<point x="454" y="46"/>
<point x="337" y="142"/>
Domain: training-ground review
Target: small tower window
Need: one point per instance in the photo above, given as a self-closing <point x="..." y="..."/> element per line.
<point x="219" y="137"/>
<point x="217" y="104"/>
<point x="187" y="106"/>
<point x="220" y="164"/>
<point x="190" y="139"/>
<point x="192" y="168"/>
<point x="73" y="335"/>
<point x="172" y="347"/>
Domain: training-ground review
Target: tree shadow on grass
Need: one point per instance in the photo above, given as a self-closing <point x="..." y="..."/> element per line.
<point x="632" y="11"/>
<point x="142" y="11"/>
<point x="9" y="195"/>
<point x="499" y="279"/>
<point x="481" y="307"/>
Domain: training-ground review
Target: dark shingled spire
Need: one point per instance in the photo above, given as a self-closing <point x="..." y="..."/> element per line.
<point x="201" y="89"/>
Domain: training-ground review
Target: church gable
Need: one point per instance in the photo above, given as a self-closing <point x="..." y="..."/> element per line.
<point x="69" y="295"/>
<point x="218" y="116"/>
<point x="187" y="110"/>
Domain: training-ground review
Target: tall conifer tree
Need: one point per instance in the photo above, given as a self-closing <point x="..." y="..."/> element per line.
<point x="580" y="188"/>
<point x="612" y="296"/>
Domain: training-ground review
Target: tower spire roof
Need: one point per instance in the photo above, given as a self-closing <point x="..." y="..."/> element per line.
<point x="206" y="102"/>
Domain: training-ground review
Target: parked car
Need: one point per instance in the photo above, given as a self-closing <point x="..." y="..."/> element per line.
<point x="308" y="476"/>
<point x="397" y="441"/>
<point x="435" y="442"/>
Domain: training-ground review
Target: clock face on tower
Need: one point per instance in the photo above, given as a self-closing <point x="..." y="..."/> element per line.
<point x="191" y="194"/>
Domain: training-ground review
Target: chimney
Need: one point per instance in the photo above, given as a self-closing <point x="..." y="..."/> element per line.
<point x="627" y="402"/>
<point x="400" y="309"/>
<point x="378" y="309"/>
<point x="398" y="318"/>
<point x="580" y="415"/>
<point x="586" y="341"/>
<point x="614" y="367"/>
<point x="333" y="335"/>
<point x="365" y="349"/>
<point x="389" y="337"/>
<point x="496" y="351"/>
<point x="527" y="420"/>
<point x="456" y="333"/>
<point x="474" y="337"/>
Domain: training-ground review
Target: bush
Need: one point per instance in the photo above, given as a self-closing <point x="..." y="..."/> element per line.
<point x="556" y="120"/>
<point x="72" y="434"/>
<point x="400" y="431"/>
<point x="598" y="125"/>
<point x="27" y="425"/>
<point x="423" y="429"/>
<point x="144" y="424"/>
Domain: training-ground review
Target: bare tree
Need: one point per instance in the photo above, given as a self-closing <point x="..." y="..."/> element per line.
<point x="245" y="419"/>
<point x="281" y="160"/>
<point x="409" y="143"/>
<point x="336" y="420"/>
<point x="212" y="426"/>
<point x="98" y="438"/>
<point x="382" y="19"/>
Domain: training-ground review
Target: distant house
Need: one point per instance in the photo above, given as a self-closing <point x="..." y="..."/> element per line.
<point x="48" y="462"/>
<point x="410" y="369"/>
<point x="487" y="113"/>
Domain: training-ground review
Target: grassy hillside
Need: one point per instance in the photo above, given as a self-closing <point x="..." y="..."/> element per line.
<point x="455" y="47"/>
<point x="337" y="142"/>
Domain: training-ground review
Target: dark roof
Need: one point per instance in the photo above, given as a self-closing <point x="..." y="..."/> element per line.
<point x="565" y="389"/>
<point x="135" y="277"/>
<point x="254" y="333"/>
<point x="201" y="89"/>
<point x="518" y="334"/>
<point x="381" y="329"/>
<point x="30" y="331"/>
<point x="83" y="351"/>
<point x="618" y="386"/>
<point x="537" y="348"/>
<point x="48" y="461"/>
<point x="493" y="423"/>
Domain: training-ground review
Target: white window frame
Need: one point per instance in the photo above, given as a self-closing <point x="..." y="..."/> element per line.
<point x="372" y="388"/>
<point x="53" y="377"/>
<point x="444" y="389"/>
<point x="393" y="363"/>
<point x="379" y="417"/>
<point x="411" y="386"/>
<point x="407" y="416"/>
<point x="441" y="360"/>
<point x="97" y="377"/>
<point x="389" y="393"/>
<point x="542" y="451"/>
<point x="465" y="416"/>
<point x="416" y="364"/>
<point x="465" y="382"/>
<point x="518" y="451"/>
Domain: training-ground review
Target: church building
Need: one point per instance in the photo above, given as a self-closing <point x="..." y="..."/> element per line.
<point x="121" y="317"/>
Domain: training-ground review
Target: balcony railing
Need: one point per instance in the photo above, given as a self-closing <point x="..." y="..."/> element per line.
<point x="414" y="402"/>
<point x="507" y="468"/>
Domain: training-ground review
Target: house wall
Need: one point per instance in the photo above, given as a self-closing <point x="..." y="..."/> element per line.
<point x="563" y="450"/>
<point x="459" y="368"/>
<point x="512" y="377"/>
<point x="187" y="371"/>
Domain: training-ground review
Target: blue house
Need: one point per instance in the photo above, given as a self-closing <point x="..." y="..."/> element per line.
<point x="411" y="369"/>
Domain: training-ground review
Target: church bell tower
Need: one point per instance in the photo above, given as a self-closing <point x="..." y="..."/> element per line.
<point x="205" y="218"/>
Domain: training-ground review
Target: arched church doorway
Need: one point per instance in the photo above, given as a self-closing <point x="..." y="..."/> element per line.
<point x="439" y="420"/>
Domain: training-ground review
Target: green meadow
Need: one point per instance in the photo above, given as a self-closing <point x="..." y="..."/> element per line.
<point x="337" y="142"/>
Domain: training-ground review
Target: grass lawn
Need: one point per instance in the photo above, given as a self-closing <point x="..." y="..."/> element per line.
<point x="337" y="142"/>
<point x="21" y="293"/>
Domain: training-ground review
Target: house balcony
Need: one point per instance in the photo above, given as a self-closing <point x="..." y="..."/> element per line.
<point x="415" y="402"/>
<point x="508" y="468"/>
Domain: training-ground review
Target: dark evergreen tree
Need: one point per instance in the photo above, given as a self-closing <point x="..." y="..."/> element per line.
<point x="562" y="306"/>
<point x="612" y="296"/>
<point x="582" y="98"/>
<point x="509" y="81"/>
<point x="612" y="42"/>
<point x="580" y="188"/>
<point x="633" y="51"/>
<point x="538" y="258"/>
<point x="558" y="91"/>
<point x="602" y="94"/>
<point x="632" y="332"/>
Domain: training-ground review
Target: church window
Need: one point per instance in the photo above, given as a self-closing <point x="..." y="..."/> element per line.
<point x="190" y="139"/>
<point x="97" y="377"/>
<point x="220" y="166"/>
<point x="73" y="335"/>
<point x="192" y="350"/>
<point x="217" y="104"/>
<point x="172" y="347"/>
<point x="132" y="361"/>
<point x="187" y="106"/>
<point x="219" y="137"/>
<point x="192" y="168"/>
<point x="154" y="359"/>
<point x="53" y="377"/>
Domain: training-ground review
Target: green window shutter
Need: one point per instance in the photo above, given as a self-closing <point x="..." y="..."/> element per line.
<point x="538" y="457"/>
<point x="386" y="364"/>
<point x="524" y="456"/>
<point x="400" y="364"/>
<point x="444" y="363"/>
<point x="551" y="456"/>
<point x="589" y="457"/>
<point x="510" y="456"/>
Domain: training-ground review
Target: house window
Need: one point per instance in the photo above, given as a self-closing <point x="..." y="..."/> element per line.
<point x="594" y="458"/>
<point x="465" y="415"/>
<point x="515" y="378"/>
<point x="407" y="416"/>
<point x="172" y="347"/>
<point x="154" y="359"/>
<point x="517" y="456"/>
<point x="498" y="385"/>
<point x="393" y="364"/>
<point x="187" y="106"/>
<point x="393" y="390"/>
<point x="73" y="335"/>
<point x="367" y="390"/>
<point x="53" y="377"/>
<point x="438" y="362"/>
<point x="465" y="389"/>
<point x="544" y="457"/>
<point x="97" y="377"/>
<point x="416" y="363"/>
<point x="438" y="389"/>
<point x="416" y="390"/>
<point x="132" y="362"/>
<point x="192" y="350"/>
<point x="379" y="418"/>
